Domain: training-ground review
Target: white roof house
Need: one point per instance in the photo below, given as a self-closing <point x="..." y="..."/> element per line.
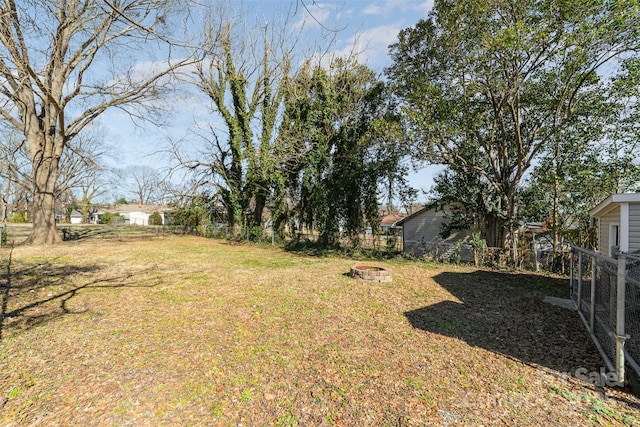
<point x="618" y="219"/>
<point x="76" y="217"/>
<point x="138" y="214"/>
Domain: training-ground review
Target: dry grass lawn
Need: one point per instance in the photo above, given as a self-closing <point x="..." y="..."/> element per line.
<point x="188" y="331"/>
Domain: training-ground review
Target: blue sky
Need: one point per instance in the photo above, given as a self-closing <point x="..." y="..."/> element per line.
<point x="364" y="27"/>
<point x="369" y="26"/>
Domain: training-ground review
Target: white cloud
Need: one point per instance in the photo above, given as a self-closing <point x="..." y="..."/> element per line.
<point x="372" y="45"/>
<point x="391" y="6"/>
<point x="374" y="9"/>
<point x="344" y="14"/>
<point x="314" y="16"/>
<point x="369" y="46"/>
<point x="425" y="7"/>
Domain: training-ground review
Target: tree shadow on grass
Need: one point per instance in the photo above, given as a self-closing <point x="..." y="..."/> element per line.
<point x="104" y="231"/>
<point x="306" y="247"/>
<point x="504" y="313"/>
<point x="34" y="293"/>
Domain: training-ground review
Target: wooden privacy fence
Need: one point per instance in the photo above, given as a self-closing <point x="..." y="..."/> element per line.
<point x="606" y="293"/>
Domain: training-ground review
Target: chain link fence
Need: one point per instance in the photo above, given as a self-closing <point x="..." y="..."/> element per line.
<point x="606" y="292"/>
<point x="632" y="310"/>
<point x="525" y="253"/>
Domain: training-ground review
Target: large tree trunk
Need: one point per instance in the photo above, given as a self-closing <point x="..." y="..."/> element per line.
<point x="495" y="236"/>
<point x="45" y="173"/>
<point x="44" y="230"/>
<point x="234" y="211"/>
<point x="556" y="202"/>
<point x="261" y="202"/>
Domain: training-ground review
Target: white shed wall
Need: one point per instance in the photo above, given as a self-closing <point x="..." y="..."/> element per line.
<point x="612" y="217"/>
<point x="421" y="234"/>
<point x="634" y="227"/>
<point x="423" y="228"/>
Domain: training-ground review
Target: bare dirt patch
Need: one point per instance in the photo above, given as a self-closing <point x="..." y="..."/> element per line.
<point x="190" y="331"/>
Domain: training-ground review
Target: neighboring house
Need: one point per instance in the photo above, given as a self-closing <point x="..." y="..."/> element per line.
<point x="536" y="227"/>
<point x="95" y="216"/>
<point x="422" y="234"/>
<point x="542" y="244"/>
<point x="389" y="223"/>
<point x="139" y="214"/>
<point x="618" y="218"/>
<point x="76" y="217"/>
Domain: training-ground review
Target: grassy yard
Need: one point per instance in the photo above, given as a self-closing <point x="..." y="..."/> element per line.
<point x="162" y="330"/>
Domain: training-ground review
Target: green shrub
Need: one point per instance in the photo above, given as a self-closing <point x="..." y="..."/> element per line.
<point x="17" y="218"/>
<point x="479" y="246"/>
<point x="255" y="233"/>
<point x="455" y="256"/>
<point x="392" y="242"/>
<point x="155" y="219"/>
<point x="116" y="218"/>
<point x="106" y="218"/>
<point x="3" y="237"/>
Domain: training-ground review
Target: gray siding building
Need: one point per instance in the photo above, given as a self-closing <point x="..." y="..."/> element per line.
<point x="618" y="219"/>
<point x="422" y="235"/>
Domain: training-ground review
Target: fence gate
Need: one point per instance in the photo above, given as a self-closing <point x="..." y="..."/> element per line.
<point x="606" y="292"/>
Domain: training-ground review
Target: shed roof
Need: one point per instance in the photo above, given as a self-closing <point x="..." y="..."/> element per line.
<point x="612" y="202"/>
<point x="413" y="215"/>
<point x="429" y="207"/>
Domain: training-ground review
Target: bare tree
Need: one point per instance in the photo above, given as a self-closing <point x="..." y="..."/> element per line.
<point x="14" y="167"/>
<point x="144" y="183"/>
<point x="82" y="162"/>
<point x="81" y="166"/>
<point x="61" y="68"/>
<point x="241" y="72"/>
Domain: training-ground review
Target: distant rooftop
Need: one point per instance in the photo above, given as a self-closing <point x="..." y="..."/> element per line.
<point x="136" y="207"/>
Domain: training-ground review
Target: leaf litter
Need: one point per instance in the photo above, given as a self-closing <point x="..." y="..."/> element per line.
<point x="191" y="331"/>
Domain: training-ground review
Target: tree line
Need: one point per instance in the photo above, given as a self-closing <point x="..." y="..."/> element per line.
<point x="531" y="108"/>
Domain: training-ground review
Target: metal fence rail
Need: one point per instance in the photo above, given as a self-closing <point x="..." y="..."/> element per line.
<point x="632" y="311"/>
<point x="606" y="292"/>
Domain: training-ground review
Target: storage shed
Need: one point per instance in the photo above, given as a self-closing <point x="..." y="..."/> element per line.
<point x="618" y="218"/>
<point x="422" y="234"/>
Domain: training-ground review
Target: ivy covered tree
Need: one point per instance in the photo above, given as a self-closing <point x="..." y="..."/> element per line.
<point x="503" y="80"/>
<point x="240" y="72"/>
<point x="344" y="149"/>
